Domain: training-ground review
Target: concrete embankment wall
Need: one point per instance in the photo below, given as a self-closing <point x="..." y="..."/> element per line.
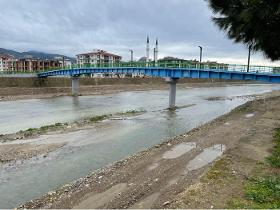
<point x="30" y="82"/>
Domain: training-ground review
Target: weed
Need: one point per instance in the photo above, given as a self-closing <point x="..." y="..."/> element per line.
<point x="219" y="170"/>
<point x="263" y="192"/>
<point x="274" y="159"/>
<point x="99" y="118"/>
<point x="43" y="129"/>
<point x="131" y="112"/>
<point x="260" y="193"/>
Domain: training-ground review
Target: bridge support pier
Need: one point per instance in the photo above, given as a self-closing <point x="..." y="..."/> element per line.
<point x="75" y="85"/>
<point x="172" y="91"/>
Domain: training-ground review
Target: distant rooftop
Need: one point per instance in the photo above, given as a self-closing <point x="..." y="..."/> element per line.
<point x="100" y="52"/>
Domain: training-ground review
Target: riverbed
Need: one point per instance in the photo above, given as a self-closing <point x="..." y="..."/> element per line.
<point x="110" y="140"/>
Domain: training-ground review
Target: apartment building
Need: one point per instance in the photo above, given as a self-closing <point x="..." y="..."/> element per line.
<point x="64" y="62"/>
<point x="33" y="65"/>
<point x="7" y="62"/>
<point x="97" y="57"/>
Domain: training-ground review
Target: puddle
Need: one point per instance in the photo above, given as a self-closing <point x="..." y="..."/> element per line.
<point x="179" y="150"/>
<point x="97" y="200"/>
<point x="207" y="156"/>
<point x="147" y="202"/>
<point x="173" y="181"/>
<point x="153" y="166"/>
<point x="250" y="115"/>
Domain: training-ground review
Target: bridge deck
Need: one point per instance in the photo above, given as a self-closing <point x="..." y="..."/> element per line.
<point x="170" y="72"/>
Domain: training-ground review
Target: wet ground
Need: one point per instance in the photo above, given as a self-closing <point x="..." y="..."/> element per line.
<point x="169" y="175"/>
<point x="109" y="141"/>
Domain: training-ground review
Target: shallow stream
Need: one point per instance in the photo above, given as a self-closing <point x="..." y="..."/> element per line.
<point x="110" y="140"/>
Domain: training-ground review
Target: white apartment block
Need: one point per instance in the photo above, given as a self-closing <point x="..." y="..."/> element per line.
<point x="65" y="63"/>
<point x="97" y="57"/>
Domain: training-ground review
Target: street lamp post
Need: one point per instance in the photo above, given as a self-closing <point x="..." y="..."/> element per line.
<point x="131" y="55"/>
<point x="200" y="58"/>
<point x="249" y="58"/>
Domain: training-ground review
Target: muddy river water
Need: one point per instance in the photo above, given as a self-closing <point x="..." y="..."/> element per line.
<point x="110" y="140"/>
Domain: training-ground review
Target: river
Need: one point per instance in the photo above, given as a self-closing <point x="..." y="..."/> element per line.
<point x="89" y="149"/>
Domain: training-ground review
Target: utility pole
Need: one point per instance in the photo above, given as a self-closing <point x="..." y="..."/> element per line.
<point x="200" y="59"/>
<point x="249" y="58"/>
<point x="131" y="55"/>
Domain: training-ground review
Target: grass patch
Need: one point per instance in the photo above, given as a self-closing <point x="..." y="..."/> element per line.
<point x="274" y="159"/>
<point x="131" y="112"/>
<point x="50" y="127"/>
<point x="219" y="170"/>
<point x="107" y="116"/>
<point x="99" y="118"/>
<point x="31" y="131"/>
<point x="260" y="193"/>
<point x="44" y="129"/>
<point x="263" y="192"/>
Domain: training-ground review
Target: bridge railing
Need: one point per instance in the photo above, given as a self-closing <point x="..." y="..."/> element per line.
<point x="184" y="64"/>
<point x="161" y="64"/>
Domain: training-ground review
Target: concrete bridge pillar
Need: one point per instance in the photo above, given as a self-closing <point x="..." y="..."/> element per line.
<point x="75" y="85"/>
<point x="172" y="91"/>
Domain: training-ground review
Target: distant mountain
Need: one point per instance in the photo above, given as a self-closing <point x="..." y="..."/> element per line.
<point x="10" y="52"/>
<point x="33" y="54"/>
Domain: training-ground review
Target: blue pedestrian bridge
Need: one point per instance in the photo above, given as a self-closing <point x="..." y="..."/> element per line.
<point x="171" y="73"/>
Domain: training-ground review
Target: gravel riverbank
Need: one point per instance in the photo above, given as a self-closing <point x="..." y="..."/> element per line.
<point x="163" y="176"/>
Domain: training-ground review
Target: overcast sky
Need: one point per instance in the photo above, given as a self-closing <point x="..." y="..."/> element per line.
<point x="74" y="26"/>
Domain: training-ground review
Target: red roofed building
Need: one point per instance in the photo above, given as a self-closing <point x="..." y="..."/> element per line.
<point x="97" y="57"/>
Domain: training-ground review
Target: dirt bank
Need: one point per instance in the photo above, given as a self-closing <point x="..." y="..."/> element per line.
<point x="30" y="88"/>
<point x="34" y="82"/>
<point x="16" y="93"/>
<point x="176" y="173"/>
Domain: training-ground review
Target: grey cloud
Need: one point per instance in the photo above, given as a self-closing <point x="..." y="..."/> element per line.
<point x="74" y="26"/>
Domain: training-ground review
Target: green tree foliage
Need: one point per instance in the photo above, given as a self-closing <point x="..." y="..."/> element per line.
<point x="252" y="22"/>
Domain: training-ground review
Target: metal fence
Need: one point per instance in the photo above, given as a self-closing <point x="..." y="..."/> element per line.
<point x="160" y="64"/>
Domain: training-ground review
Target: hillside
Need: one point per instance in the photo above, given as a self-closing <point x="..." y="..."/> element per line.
<point x="33" y="54"/>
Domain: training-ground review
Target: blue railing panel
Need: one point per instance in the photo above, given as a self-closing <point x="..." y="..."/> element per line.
<point x="170" y="72"/>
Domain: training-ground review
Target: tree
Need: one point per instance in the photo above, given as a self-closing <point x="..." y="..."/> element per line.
<point x="252" y="22"/>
